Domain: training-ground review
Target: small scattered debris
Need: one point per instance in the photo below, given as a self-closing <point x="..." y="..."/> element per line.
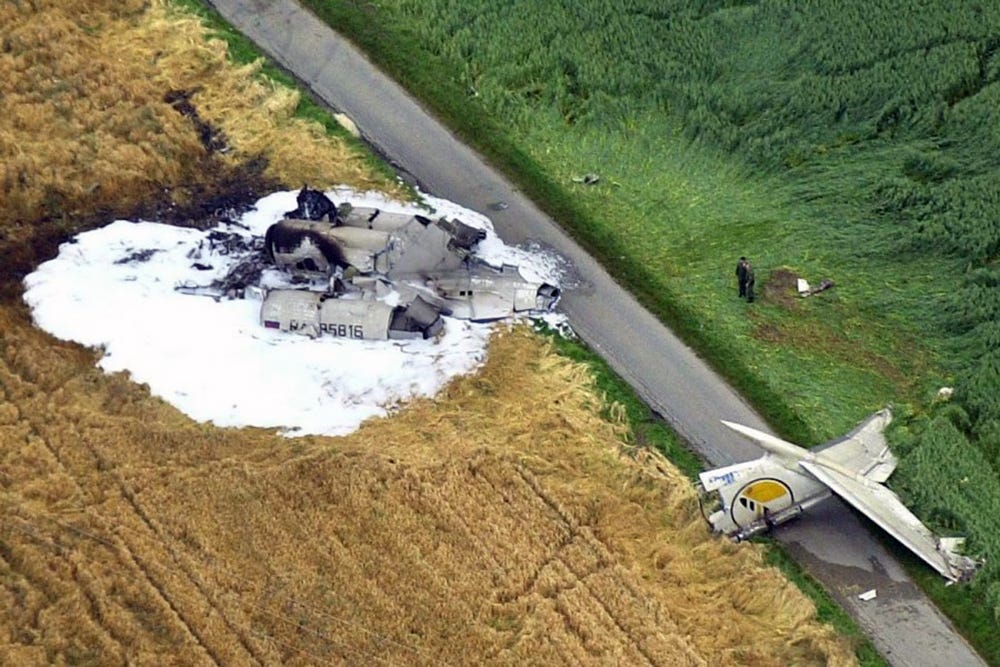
<point x="242" y="274"/>
<point x="137" y="256"/>
<point x="867" y="595"/>
<point x="587" y="179"/>
<point x="805" y="290"/>
<point x="345" y="122"/>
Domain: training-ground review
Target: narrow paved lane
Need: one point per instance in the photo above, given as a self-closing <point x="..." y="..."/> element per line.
<point x="832" y="544"/>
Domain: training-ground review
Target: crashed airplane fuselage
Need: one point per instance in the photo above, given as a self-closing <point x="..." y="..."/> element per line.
<point x="754" y="496"/>
<point x="317" y="313"/>
<point x="369" y="274"/>
<point x="362" y="255"/>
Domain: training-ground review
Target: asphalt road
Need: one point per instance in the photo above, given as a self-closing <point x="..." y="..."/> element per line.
<point x="831" y="543"/>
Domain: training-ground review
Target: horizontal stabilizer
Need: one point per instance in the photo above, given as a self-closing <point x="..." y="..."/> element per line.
<point x="771" y="443"/>
<point x="864" y="451"/>
<point x="885" y="508"/>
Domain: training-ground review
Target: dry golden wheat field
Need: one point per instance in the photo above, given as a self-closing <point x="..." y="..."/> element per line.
<point x="502" y="522"/>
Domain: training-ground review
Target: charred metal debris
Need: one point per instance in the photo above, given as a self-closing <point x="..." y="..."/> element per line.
<point x="364" y="273"/>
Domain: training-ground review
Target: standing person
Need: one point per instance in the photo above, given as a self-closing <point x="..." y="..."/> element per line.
<point x="749" y="282"/>
<point x="742" y="267"/>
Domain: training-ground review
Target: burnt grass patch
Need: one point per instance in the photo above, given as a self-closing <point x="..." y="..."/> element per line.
<point x="222" y="193"/>
<point x="211" y="137"/>
<point x="781" y="289"/>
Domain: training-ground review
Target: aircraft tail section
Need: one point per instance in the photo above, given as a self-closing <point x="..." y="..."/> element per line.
<point x="746" y="498"/>
<point x="770" y="443"/>
<point x="757" y="495"/>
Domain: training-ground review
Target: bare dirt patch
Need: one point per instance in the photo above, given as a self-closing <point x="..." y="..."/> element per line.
<point x="780" y="288"/>
<point x="805" y="329"/>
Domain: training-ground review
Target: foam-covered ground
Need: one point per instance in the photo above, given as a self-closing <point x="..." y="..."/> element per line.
<point x="212" y="359"/>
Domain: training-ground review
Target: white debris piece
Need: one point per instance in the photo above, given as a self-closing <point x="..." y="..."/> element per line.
<point x="805" y="289"/>
<point x="345" y="122"/>
<point x="868" y="595"/>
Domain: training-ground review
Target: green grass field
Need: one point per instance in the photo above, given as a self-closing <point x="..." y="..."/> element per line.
<point x="855" y="141"/>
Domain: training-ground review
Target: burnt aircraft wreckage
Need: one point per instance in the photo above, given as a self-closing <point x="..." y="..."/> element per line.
<point x="369" y="274"/>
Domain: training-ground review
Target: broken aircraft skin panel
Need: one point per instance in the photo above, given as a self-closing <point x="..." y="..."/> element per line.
<point x="482" y="293"/>
<point x="755" y="496"/>
<point x="368" y="274"/>
<point x="312" y="249"/>
<point x="316" y="313"/>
